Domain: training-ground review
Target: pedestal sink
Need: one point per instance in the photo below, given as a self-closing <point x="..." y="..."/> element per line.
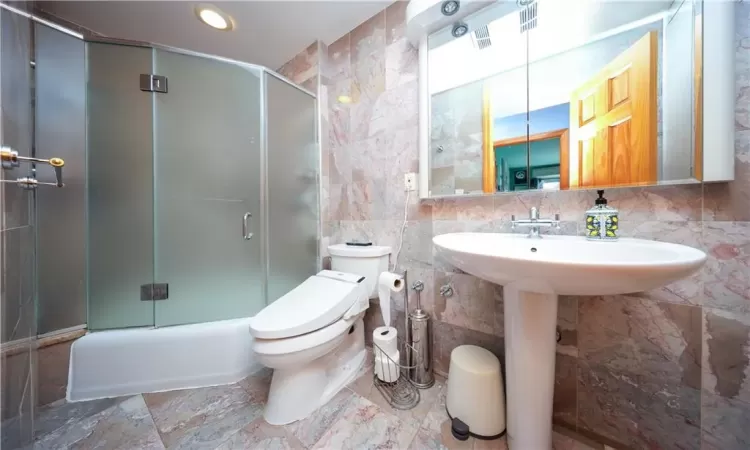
<point x="534" y="272"/>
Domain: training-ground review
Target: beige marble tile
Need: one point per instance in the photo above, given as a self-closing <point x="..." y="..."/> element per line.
<point x="368" y="158"/>
<point x="688" y="290"/>
<point x="366" y="388"/>
<point x="260" y="435"/>
<point x="257" y="385"/>
<point x="201" y="418"/>
<point x="309" y="431"/>
<point x="393" y="109"/>
<point x="126" y="425"/>
<point x="475" y="208"/>
<point x="338" y="65"/>
<point x="425" y="440"/>
<point x="364" y="425"/>
<point x="725" y="424"/>
<point x="368" y="200"/>
<point x="303" y="66"/>
<point x="436" y="415"/>
<point x="447" y="337"/>
<point x="473" y="305"/>
<point x="665" y="203"/>
<point x="725" y="403"/>
<point x="639" y="371"/>
<point x="62" y="414"/>
<point x="727" y="271"/>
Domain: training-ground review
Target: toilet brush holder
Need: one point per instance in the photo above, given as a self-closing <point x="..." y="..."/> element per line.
<point x="419" y="338"/>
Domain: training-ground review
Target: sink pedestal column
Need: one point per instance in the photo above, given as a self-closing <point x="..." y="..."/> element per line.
<point x="530" y="343"/>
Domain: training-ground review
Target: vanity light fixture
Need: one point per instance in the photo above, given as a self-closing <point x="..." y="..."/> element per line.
<point x="459" y="29"/>
<point x="214" y="17"/>
<point x="450" y="7"/>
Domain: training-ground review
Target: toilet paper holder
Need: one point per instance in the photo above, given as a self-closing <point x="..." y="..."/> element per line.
<point x="400" y="393"/>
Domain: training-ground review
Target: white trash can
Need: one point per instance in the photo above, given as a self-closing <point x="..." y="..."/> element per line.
<point x="475" y="400"/>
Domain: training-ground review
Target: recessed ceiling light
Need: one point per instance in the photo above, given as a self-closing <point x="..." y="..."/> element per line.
<point x="450" y="7"/>
<point x="459" y="30"/>
<point x="214" y="17"/>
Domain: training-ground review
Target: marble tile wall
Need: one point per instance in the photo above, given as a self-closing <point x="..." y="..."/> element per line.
<point x="661" y="369"/>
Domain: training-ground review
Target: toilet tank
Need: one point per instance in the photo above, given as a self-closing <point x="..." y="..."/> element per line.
<point x="368" y="262"/>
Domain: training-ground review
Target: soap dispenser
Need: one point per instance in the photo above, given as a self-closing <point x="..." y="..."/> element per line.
<point x="602" y="221"/>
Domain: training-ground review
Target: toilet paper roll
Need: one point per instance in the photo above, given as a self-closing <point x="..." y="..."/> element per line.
<point x="386" y="368"/>
<point x="386" y="341"/>
<point x="388" y="282"/>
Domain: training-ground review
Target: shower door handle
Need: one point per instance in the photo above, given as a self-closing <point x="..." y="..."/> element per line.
<point x="245" y="234"/>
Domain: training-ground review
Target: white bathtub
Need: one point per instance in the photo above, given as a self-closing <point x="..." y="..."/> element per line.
<point x="133" y="361"/>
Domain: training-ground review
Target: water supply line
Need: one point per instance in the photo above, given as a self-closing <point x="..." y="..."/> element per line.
<point x="401" y="234"/>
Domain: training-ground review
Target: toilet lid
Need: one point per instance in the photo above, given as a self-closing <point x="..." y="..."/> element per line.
<point x="319" y="301"/>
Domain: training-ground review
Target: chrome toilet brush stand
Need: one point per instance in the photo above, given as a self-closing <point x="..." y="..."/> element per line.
<point x="419" y="338"/>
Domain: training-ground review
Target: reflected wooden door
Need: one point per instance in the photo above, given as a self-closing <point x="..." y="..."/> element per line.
<point x="613" y="122"/>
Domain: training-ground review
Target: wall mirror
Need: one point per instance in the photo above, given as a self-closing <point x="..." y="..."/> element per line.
<point x="553" y="95"/>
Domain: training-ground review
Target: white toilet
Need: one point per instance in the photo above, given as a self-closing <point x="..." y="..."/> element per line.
<point x="313" y="337"/>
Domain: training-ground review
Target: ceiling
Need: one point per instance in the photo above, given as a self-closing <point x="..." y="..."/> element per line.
<point x="269" y="32"/>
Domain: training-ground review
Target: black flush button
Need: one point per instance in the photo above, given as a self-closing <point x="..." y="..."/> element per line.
<point x="533" y="249"/>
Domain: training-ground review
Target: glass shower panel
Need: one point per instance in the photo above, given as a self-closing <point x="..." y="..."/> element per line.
<point x="208" y="177"/>
<point x="17" y="250"/>
<point x="293" y="182"/>
<point x="120" y="186"/>
<point x="60" y="132"/>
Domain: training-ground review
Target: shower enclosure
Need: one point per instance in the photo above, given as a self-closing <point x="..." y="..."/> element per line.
<point x="191" y="187"/>
<point x="202" y="186"/>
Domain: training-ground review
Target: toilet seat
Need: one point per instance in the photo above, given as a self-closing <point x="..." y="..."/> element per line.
<point x="305" y="341"/>
<point x="306" y="313"/>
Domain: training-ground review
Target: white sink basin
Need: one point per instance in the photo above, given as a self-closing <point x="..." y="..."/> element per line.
<point x="569" y="265"/>
<point x="534" y="272"/>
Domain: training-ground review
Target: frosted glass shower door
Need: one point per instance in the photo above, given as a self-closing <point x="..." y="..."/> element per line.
<point x="119" y="171"/>
<point x="208" y="190"/>
<point x="293" y="174"/>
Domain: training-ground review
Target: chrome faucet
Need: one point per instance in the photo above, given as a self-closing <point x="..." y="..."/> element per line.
<point x="534" y="223"/>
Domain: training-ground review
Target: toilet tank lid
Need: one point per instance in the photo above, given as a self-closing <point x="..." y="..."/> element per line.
<point x="319" y="301"/>
<point x="356" y="251"/>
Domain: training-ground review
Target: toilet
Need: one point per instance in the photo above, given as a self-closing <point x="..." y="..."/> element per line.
<point x="313" y="337"/>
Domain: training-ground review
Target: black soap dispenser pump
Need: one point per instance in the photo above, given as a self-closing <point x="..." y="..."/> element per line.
<point x="602" y="221"/>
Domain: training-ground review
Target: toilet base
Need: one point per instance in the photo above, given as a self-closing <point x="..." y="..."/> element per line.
<point x="298" y="391"/>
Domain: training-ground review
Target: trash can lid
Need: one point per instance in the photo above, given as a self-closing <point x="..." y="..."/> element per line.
<point x="475" y="359"/>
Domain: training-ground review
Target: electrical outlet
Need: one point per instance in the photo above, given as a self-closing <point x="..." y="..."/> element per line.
<point x="410" y="181"/>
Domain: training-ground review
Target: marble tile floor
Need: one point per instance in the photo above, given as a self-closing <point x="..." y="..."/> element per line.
<point x="230" y="417"/>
